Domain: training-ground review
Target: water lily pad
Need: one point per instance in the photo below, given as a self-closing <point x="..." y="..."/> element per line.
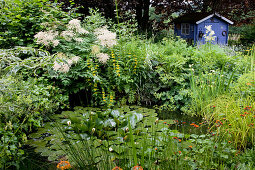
<point x="115" y="113"/>
<point x="79" y="108"/>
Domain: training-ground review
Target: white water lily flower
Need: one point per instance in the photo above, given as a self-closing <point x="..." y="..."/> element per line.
<point x="93" y="130"/>
<point x="156" y="121"/>
<point x="69" y="123"/>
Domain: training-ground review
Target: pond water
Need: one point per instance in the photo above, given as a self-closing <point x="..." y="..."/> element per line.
<point x="47" y="139"/>
<point x="185" y="123"/>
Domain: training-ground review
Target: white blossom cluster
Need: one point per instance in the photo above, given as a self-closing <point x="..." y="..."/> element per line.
<point x="68" y="35"/>
<point x="47" y="38"/>
<point x="102" y="57"/>
<point x="106" y="37"/>
<point x="209" y="36"/>
<point x="63" y="64"/>
<point x="74" y="27"/>
<point x="95" y="49"/>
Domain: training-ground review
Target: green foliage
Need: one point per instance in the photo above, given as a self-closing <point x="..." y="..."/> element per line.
<point x="232" y="117"/>
<point x="145" y="140"/>
<point x="22" y="19"/>
<point x="23" y="105"/>
<point x="245" y="85"/>
<point x="101" y="129"/>
<point x="206" y="87"/>
<point x="248" y="35"/>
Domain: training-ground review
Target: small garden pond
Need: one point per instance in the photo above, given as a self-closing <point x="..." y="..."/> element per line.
<point x="111" y="128"/>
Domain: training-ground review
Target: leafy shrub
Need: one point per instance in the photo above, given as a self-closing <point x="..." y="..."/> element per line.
<point x="145" y="140"/>
<point x="23" y="106"/>
<point x="22" y="19"/>
<point x="245" y="85"/>
<point x="248" y="35"/>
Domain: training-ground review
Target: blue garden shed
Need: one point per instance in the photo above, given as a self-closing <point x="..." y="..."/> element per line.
<point x="192" y="27"/>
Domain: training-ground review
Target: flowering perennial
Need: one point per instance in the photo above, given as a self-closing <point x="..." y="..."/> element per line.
<point x="63" y="64"/>
<point x="102" y="57"/>
<point x="64" y="165"/>
<point x="75" y="25"/>
<point x="106" y="37"/>
<point x="47" y="38"/>
<point x="68" y="35"/>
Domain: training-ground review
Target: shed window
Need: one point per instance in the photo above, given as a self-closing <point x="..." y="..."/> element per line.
<point x="185" y="28"/>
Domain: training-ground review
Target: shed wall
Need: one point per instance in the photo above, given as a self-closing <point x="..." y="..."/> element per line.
<point x="218" y="26"/>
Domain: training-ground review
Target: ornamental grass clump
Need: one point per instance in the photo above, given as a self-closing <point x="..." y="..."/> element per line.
<point x="233" y="120"/>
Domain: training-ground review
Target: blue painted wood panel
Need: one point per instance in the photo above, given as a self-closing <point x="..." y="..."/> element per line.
<point x="219" y="26"/>
<point x="190" y="36"/>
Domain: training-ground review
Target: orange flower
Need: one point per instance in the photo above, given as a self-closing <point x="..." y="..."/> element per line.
<point x="156" y="149"/>
<point x="137" y="167"/>
<point x="179" y="152"/>
<point x="190" y="146"/>
<point x="117" y="168"/>
<point x="192" y="124"/>
<point x="248" y="84"/>
<point x="196" y="126"/>
<point x="164" y="122"/>
<point x="180" y="140"/>
<point x="64" y="165"/>
<point x="175" y="138"/>
<point x="183" y="122"/>
<point x="229" y="141"/>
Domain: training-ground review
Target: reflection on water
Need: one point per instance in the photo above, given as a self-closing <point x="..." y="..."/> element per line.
<point x="185" y="123"/>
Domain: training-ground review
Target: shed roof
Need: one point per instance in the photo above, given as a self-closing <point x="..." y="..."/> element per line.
<point x="199" y="17"/>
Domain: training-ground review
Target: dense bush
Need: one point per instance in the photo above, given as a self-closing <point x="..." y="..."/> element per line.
<point x="20" y="20"/>
<point x="98" y="63"/>
<point x="23" y="106"/>
<point x="248" y="35"/>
